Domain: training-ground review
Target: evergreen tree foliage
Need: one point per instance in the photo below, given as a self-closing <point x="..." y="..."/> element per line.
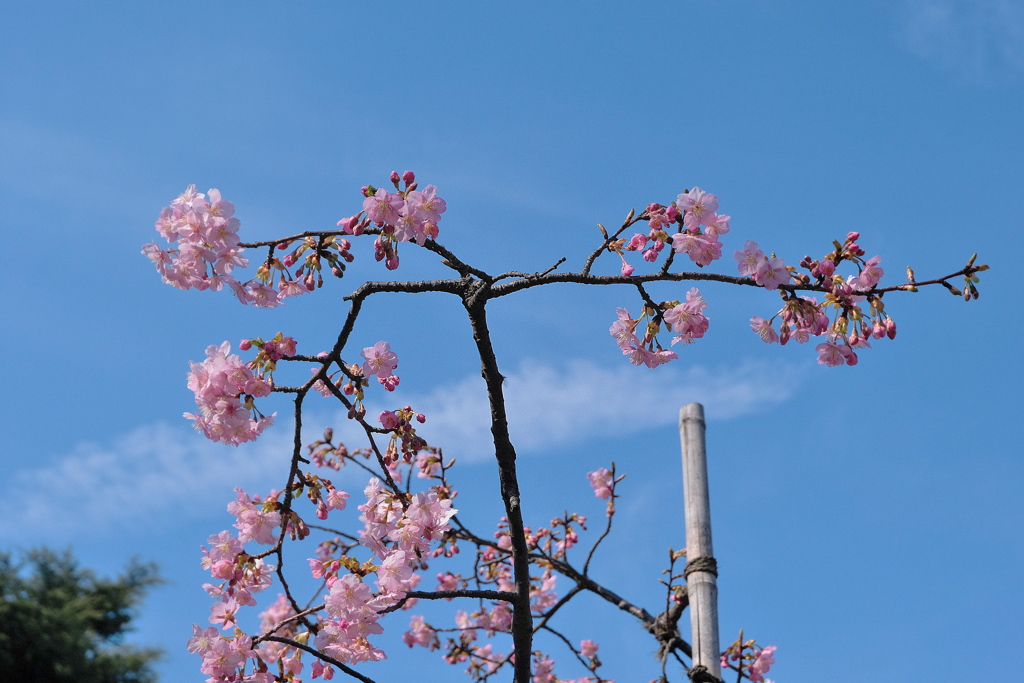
<point x="60" y="623"/>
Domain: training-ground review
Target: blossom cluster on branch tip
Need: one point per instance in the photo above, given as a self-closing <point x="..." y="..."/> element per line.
<point x="405" y="215"/>
<point x="749" y="660"/>
<point x="698" y="230"/>
<point x="225" y="387"/>
<point x="206" y="249"/>
<point x="698" y="227"/>
<point x="686" y="319"/>
<point x="205" y="233"/>
<point x="803" y="317"/>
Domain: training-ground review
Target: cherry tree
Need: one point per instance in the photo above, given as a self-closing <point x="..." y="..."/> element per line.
<point x="504" y="582"/>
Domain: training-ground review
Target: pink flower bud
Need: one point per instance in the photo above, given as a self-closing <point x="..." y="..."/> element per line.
<point x="289" y="260"/>
<point x="827" y="268"/>
<point x="852" y="236"/>
<point x="245" y="344"/>
<point x="627" y="269"/>
<point x="392" y="262"/>
<point x="409" y="177"/>
<point x="890" y="328"/>
<point x="394" y="177"/>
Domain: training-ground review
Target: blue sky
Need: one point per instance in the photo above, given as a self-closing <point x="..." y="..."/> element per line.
<point x="866" y="519"/>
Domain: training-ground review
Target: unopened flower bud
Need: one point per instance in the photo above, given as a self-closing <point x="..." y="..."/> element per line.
<point x="395" y="177"/>
<point x="409" y="177"/>
<point x="245" y="344"/>
<point x="852" y="236"/>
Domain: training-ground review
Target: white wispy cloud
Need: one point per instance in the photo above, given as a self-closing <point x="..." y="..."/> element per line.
<point x="971" y="38"/>
<point x="158" y="476"/>
<point x="151" y="477"/>
<point x="550" y="407"/>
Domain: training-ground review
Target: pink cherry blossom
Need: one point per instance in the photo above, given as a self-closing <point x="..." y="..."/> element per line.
<point x="761" y="665"/>
<point x="749" y="258"/>
<point x="697" y="206"/>
<point x="419" y="633"/>
<point x="830" y="354"/>
<point x="202" y="639"/>
<point x="770" y="273"/>
<point x="686" y="318"/>
<point x="383" y="207"/>
<point x="602" y="483"/>
<point x="702" y="249"/>
<point x="380" y="360"/>
<point x="427" y="205"/>
<point x="871" y="273"/>
<point x="764" y="329"/>
<point x="622" y="330"/>
<point x="718" y="224"/>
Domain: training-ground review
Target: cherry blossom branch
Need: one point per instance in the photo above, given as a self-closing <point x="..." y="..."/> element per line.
<point x="583" y="278"/>
<point x="320" y="655"/>
<point x="572" y="648"/>
<point x="608" y="239"/>
<point x="608" y="524"/>
<point x="474" y="300"/>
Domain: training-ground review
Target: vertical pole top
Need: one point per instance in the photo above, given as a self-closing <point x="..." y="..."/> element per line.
<point x="691" y="411"/>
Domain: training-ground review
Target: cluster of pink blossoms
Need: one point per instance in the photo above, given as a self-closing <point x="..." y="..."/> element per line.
<point x="206" y="233"/>
<point x="803" y="317"/>
<point x="749" y="659"/>
<point x="225" y="388"/>
<point x="240" y="576"/>
<point x="694" y="210"/>
<point x="603" y="482"/>
<point x="767" y="272"/>
<point x="406" y="215"/>
<point x="686" y="319"/>
<point x="699" y="227"/>
<point x="400" y="538"/>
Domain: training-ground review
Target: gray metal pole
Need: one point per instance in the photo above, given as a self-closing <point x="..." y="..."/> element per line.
<point x="701" y="569"/>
